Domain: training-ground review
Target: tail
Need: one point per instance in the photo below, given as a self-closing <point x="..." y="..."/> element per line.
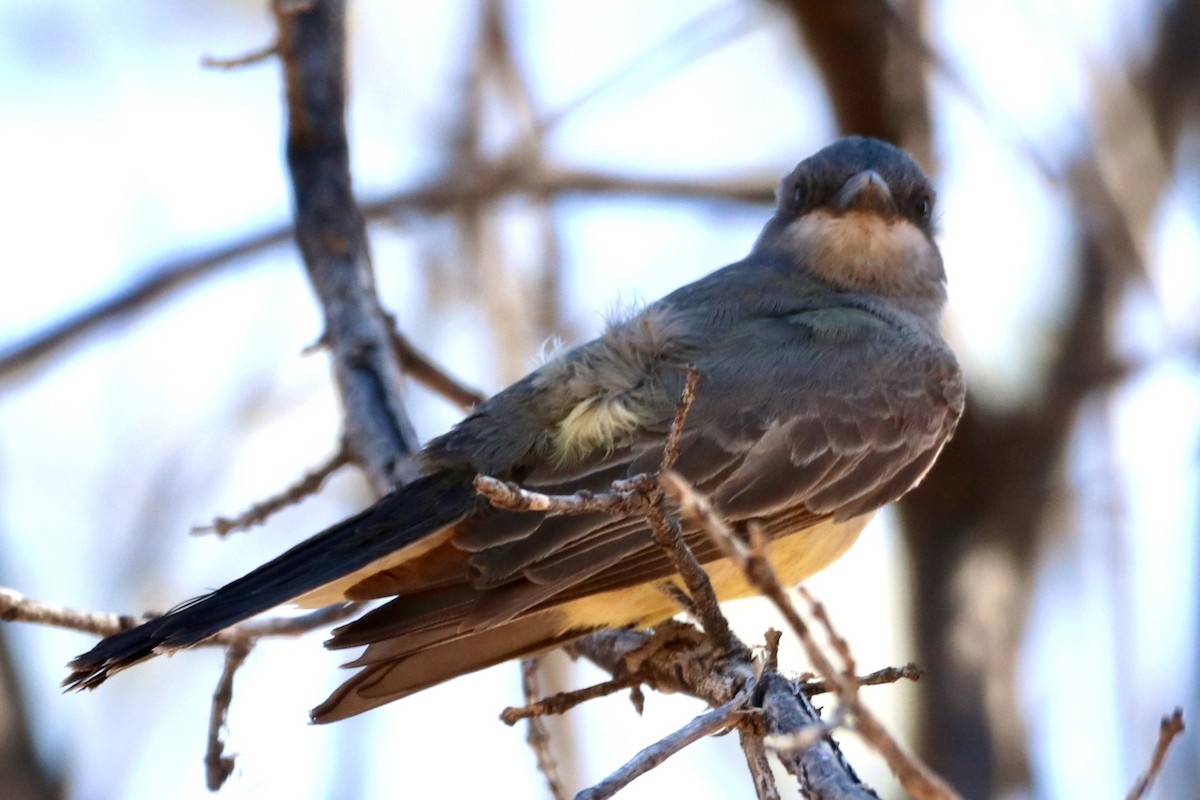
<point x="403" y="517"/>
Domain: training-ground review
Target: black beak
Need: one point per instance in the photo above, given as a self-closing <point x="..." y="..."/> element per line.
<point x="866" y="191"/>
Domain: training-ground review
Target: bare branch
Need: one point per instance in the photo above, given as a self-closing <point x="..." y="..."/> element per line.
<point x="879" y="677"/>
<point x="447" y="193"/>
<point x="916" y="778"/>
<point x="667" y="533"/>
<point x="16" y="607"/>
<point x="840" y="645"/>
<point x="422" y="369"/>
<point x="752" y="559"/>
<point x="258" y="513"/>
<point x="723" y="716"/>
<point x="760" y="768"/>
<point x="822" y="770"/>
<point x="217" y="766"/>
<point x="686" y="398"/>
<point x="159" y="282"/>
<point x="564" y="701"/>
<point x="503" y="494"/>
<point x="246" y="59"/>
<point x="331" y="234"/>
<point x="537" y="736"/>
<point x="680" y="658"/>
<point x="1168" y="729"/>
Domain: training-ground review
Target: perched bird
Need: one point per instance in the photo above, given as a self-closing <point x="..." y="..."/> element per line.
<point x="826" y="390"/>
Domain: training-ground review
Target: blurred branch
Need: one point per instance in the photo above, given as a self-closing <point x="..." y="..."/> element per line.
<point x="22" y="773"/>
<point x="423" y="370"/>
<point x="256" y="56"/>
<point x="158" y="283"/>
<point x="237" y="641"/>
<point x="258" y="513"/>
<point x="16" y="607"/>
<point x="849" y="44"/>
<point x="1171" y="79"/>
<point x="702" y="35"/>
<point x="441" y="196"/>
<point x="536" y="734"/>
<point x="331" y="233"/>
<point x="217" y="766"/>
<point x="869" y="52"/>
<point x="1168" y="729"/>
<point x="450" y="192"/>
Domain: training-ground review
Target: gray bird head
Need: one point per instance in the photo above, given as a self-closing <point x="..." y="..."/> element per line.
<point x="859" y="215"/>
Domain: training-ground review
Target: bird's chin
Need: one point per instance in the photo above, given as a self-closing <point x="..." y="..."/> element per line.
<point x="865" y="251"/>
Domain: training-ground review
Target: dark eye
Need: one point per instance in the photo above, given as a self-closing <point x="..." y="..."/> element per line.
<point x="925" y="207"/>
<point x="798" y="194"/>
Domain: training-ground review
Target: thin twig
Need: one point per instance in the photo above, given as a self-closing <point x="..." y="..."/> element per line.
<point x="217" y="765"/>
<point x="16" y="607"/>
<point x="668" y="535"/>
<point x="564" y="701"/>
<point x="256" y="56"/>
<point x="447" y="193"/>
<point x="721" y="717"/>
<point x="503" y="494"/>
<point x="422" y="369"/>
<point x="914" y="775"/>
<point x="537" y="736"/>
<point x="686" y="398"/>
<point x="258" y="513"/>
<point x="840" y="645"/>
<point x="157" y="283"/>
<point x="1168" y="729"/>
<point x="753" y="561"/>
<point x="879" y="677"/>
<point x="916" y="778"/>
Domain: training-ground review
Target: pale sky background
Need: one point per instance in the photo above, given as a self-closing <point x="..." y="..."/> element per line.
<point x="118" y="151"/>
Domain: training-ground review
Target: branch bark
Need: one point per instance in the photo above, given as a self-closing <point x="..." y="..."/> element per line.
<point x="331" y="233"/>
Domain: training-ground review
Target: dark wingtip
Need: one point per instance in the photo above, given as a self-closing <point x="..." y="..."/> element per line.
<point x="110" y="655"/>
<point x="84" y="677"/>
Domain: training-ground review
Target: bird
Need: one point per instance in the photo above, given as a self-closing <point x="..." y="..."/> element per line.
<point x="826" y="390"/>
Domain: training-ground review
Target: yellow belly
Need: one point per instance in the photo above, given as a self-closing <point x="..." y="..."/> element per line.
<point x="794" y="557"/>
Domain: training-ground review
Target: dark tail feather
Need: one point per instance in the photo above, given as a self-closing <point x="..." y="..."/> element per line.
<point x="416" y="510"/>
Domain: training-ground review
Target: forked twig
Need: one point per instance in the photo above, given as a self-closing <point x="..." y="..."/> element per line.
<point x="258" y="513"/>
